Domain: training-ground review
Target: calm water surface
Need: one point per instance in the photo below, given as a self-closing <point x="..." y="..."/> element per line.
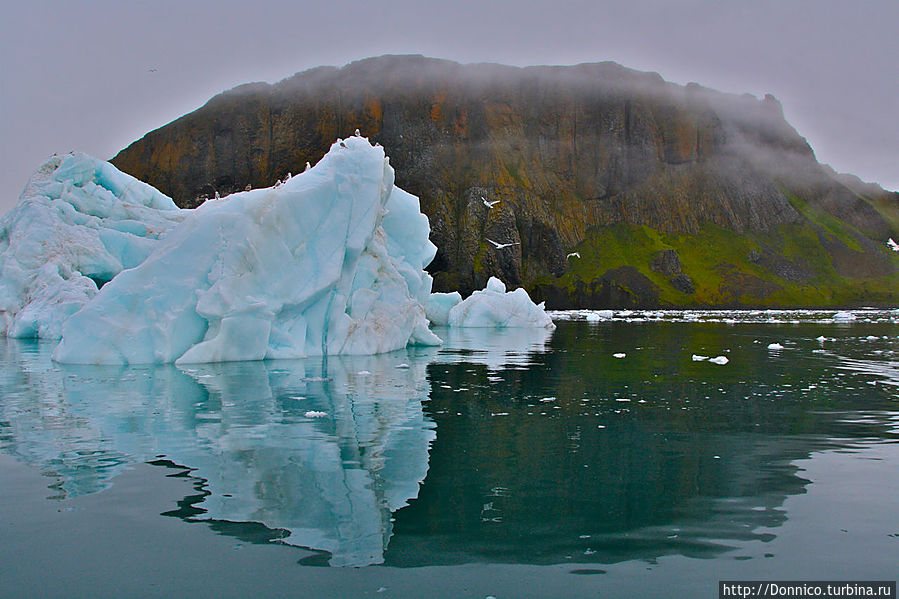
<point x="601" y="459"/>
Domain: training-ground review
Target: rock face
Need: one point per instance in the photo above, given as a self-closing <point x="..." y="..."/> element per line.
<point x="570" y="158"/>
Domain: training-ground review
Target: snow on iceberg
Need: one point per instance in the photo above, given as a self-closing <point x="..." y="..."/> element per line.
<point x="79" y="222"/>
<point x="494" y="307"/>
<point x="329" y="262"/>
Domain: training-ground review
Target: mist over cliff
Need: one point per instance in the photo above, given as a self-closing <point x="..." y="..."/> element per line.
<point x="670" y="195"/>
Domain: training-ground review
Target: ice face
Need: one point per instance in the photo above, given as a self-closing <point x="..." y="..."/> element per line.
<point x="494" y="307"/>
<point x="329" y="262"/>
<point x="78" y="224"/>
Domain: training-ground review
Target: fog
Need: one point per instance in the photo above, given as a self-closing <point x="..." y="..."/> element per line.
<point x="96" y="76"/>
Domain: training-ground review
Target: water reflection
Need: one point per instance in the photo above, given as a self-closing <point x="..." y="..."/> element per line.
<point x="322" y="451"/>
<point x="550" y="449"/>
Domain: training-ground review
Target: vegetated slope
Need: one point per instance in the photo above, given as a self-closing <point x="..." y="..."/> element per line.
<point x="671" y="195"/>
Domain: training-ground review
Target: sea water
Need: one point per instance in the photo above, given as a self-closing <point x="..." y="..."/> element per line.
<point x="599" y="459"/>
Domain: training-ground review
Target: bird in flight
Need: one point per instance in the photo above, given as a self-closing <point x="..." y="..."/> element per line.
<point x="500" y="246"/>
<point x="575" y="254"/>
<point x="490" y="204"/>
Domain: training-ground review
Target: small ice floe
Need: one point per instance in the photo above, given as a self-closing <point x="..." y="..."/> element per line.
<point x="821" y="339"/>
<point x="315" y="379"/>
<point x="698" y="358"/>
<point x="403" y="365"/>
<point x="600" y="426"/>
<point x="872" y="338"/>
<point x="315" y="414"/>
<point x="717" y="457"/>
<point x="619" y="355"/>
<point x="622" y="399"/>
<point x="844" y="316"/>
<point x="548" y="399"/>
<point x="600" y="315"/>
<point x="363" y="373"/>
<point x="775" y="346"/>
<point x="297" y="397"/>
<point x="499" y="414"/>
<point x="719" y="360"/>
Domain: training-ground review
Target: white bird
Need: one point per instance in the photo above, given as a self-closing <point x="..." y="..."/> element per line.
<point x="490" y="204"/>
<point x="500" y="246"/>
<point x="308" y="166"/>
<point x="357" y="134"/>
<point x="575" y="254"/>
<point x="892" y="245"/>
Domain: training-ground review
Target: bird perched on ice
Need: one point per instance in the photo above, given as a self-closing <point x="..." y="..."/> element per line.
<point x="342" y="145"/>
<point x="308" y="166"/>
<point x="500" y="246"/>
<point x="356" y="133"/>
<point x="490" y="204"/>
<point x="573" y="254"/>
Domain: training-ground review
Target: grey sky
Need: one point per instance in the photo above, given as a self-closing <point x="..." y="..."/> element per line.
<point x="76" y="75"/>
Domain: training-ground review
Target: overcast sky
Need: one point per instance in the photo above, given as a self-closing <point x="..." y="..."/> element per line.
<point x="93" y="76"/>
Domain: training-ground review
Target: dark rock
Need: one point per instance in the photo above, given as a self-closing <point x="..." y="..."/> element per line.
<point x="683" y="283"/>
<point x="567" y="150"/>
<point x="666" y="262"/>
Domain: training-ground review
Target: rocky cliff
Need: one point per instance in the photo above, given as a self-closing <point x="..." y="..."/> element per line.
<point x="615" y="187"/>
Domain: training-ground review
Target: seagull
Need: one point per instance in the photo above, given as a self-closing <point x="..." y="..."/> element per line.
<point x="308" y="166"/>
<point x="500" y="246"/>
<point x="490" y="204"/>
<point x="893" y="245"/>
<point x="575" y="254"/>
<point x="357" y="134"/>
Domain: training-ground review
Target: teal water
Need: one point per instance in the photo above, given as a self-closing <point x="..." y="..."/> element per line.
<point x="511" y="463"/>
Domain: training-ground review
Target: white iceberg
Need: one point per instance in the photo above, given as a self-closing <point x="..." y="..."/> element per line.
<point x="494" y="307"/>
<point x="78" y="224"/>
<point x="719" y="360"/>
<point x="775" y="346"/>
<point x="329" y="262"/>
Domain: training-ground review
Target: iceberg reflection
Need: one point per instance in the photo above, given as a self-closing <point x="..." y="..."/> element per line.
<point x="324" y="450"/>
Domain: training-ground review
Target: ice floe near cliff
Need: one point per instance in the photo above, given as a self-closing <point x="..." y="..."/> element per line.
<point x="493" y="306"/>
<point x="78" y="224"/>
<point x="329" y="262"/>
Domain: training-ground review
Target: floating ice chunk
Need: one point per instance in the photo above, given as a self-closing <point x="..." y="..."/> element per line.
<point x="775" y="346"/>
<point x="719" y="360"/>
<point x="598" y="315"/>
<point x="619" y="355"/>
<point x="438" y="307"/>
<point x="844" y="316"/>
<point x="78" y="224"/>
<point x="698" y="358"/>
<point x="329" y="262"/>
<point x="872" y="338"/>
<point x="821" y="339"/>
<point x="494" y="307"/>
<point x="363" y="373"/>
<point x="315" y="414"/>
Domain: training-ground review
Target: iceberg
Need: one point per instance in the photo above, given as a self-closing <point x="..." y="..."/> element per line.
<point x="493" y="306"/>
<point x="328" y="262"/>
<point x="78" y="224"/>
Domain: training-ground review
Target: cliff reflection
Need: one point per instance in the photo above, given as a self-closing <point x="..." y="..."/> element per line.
<point x="323" y="451"/>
